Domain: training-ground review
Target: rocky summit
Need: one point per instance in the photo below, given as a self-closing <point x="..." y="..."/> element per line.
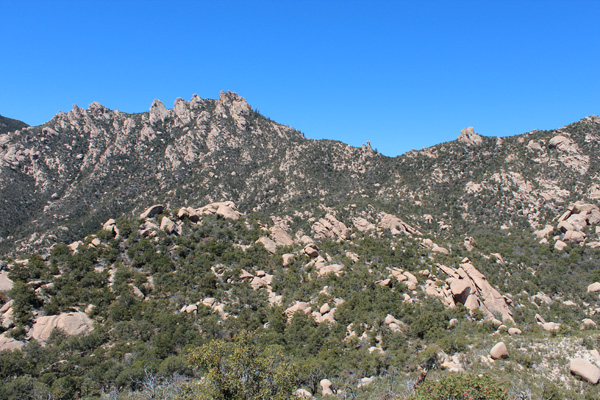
<point x="142" y="253"/>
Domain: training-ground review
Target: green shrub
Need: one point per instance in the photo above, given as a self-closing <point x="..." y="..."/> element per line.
<point x="461" y="387"/>
<point x="238" y="370"/>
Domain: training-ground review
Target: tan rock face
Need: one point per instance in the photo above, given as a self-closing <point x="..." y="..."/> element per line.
<point x="6" y="284"/>
<point x="560" y="245"/>
<point x="152" y="211"/>
<point x="303" y="394"/>
<point x="331" y="269"/>
<point x="73" y="323"/>
<point x="111" y="226"/>
<point x="298" y="306"/>
<point x="168" y="226"/>
<point x="585" y="370"/>
<point x="8" y="343"/>
<point x="460" y="289"/>
<point x="441" y="250"/>
<point x="330" y="228"/>
<point x="395" y="225"/>
<point x="270" y="245"/>
<point x="280" y="236"/>
<point x="287" y="260"/>
<point x="226" y="209"/>
<point x="470" y="287"/>
<point x="362" y="225"/>
<point x="311" y="250"/>
<point x="469" y="137"/>
<point x="569" y="153"/>
<point x="499" y="351"/>
<point x="574" y="236"/>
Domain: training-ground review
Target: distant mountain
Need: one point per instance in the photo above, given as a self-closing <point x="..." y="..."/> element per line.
<point x="9" y="124"/>
<point x="62" y="179"/>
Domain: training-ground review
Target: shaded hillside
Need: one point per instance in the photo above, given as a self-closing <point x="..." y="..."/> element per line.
<point x="9" y="124"/>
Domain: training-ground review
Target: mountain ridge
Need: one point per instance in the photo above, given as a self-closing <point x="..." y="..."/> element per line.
<point x="85" y="164"/>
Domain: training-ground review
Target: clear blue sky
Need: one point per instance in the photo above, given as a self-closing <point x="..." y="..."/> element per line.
<point x="400" y="74"/>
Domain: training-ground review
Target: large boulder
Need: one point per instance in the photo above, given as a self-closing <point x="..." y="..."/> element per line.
<point x="560" y="245"/>
<point x="152" y="211"/>
<point x="8" y="343"/>
<point x="514" y="331"/>
<point x="6" y="284"/>
<point x="460" y="289"/>
<point x="168" y="226"/>
<point x="311" y="250"/>
<point x="269" y="244"/>
<point x="6" y="315"/>
<point x="303" y="394"/>
<point x="111" y="226"/>
<point x="326" y="387"/>
<point x="491" y="301"/>
<point x="574" y="237"/>
<point x="73" y="323"/>
<point x="331" y="269"/>
<point x="280" y="236"/>
<point x="499" y="351"/>
<point x="362" y="224"/>
<point x="585" y="370"/>
<point x="594" y="287"/>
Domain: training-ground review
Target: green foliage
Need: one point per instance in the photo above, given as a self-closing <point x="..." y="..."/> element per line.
<point x="461" y="386"/>
<point x="25" y="300"/>
<point x="240" y="370"/>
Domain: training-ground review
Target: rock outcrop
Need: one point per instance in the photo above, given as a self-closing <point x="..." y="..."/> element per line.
<point x="330" y="228"/>
<point x="73" y="323"/>
<point x="470" y="287"/>
<point x="6" y="284"/>
<point x="469" y="137"/>
<point x="395" y="225"/>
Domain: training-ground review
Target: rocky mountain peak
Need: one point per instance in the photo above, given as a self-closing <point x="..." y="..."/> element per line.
<point x="469" y="137"/>
<point x="158" y="111"/>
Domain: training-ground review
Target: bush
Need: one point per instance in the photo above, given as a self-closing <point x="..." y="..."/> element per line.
<point x="239" y="371"/>
<point x="461" y="387"/>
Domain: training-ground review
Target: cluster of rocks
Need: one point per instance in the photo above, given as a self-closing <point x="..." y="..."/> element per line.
<point x="572" y="225"/>
<point x="428" y="244"/>
<point x="330" y="228"/>
<point x="468" y="286"/>
<point x="71" y="323"/>
<point x="209" y="302"/>
<point x="321" y="314"/>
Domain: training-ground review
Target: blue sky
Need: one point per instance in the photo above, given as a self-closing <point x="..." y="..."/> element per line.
<point x="399" y="74"/>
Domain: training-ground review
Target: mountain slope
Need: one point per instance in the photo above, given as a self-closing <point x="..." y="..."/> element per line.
<point x="61" y="179"/>
<point x="9" y="124"/>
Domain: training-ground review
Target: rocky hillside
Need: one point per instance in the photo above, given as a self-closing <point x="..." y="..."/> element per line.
<point x="60" y="180"/>
<point x="356" y="273"/>
<point x="357" y="300"/>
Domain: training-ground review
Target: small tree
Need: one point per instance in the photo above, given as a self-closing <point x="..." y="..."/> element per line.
<point x="238" y="370"/>
<point x="461" y="386"/>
